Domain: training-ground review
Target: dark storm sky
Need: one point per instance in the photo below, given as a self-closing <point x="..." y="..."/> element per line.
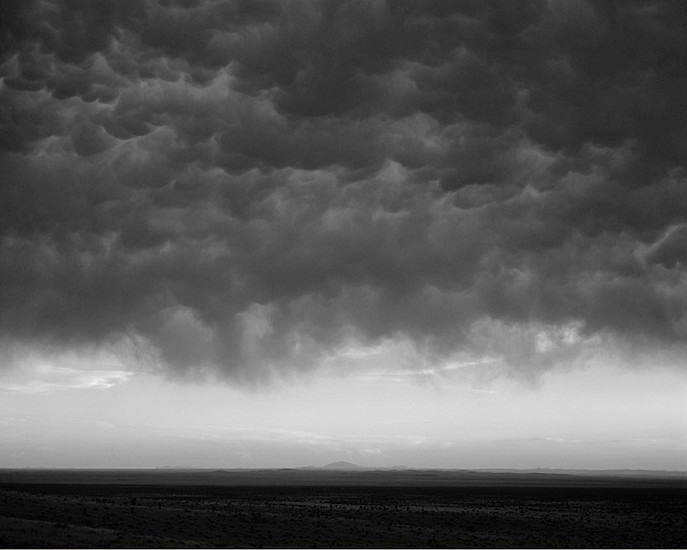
<point x="248" y="186"/>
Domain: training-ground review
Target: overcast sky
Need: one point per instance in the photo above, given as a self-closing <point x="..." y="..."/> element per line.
<point x="255" y="232"/>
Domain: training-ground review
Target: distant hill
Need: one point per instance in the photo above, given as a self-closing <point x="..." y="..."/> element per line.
<point x="342" y="466"/>
<point x="578" y="472"/>
<point x="347" y="466"/>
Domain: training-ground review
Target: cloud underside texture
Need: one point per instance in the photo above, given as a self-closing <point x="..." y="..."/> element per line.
<point x="249" y="187"/>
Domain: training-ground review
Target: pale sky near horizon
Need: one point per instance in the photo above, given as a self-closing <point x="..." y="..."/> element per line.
<point x="593" y="417"/>
<point x="259" y="233"/>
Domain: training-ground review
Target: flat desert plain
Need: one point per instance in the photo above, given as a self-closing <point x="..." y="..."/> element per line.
<point x="304" y="508"/>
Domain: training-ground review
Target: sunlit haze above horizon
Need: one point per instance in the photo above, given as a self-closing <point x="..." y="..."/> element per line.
<point x="373" y="415"/>
<point x="438" y="234"/>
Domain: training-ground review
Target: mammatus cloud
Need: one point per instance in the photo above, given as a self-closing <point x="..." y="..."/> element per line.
<point x="244" y="188"/>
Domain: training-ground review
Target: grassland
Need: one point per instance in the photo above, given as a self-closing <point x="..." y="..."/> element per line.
<point x="312" y="508"/>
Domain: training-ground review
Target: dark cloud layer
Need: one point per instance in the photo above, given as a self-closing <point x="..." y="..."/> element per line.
<point x="243" y="187"/>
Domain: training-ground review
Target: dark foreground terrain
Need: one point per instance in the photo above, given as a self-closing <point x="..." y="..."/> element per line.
<point x="304" y="509"/>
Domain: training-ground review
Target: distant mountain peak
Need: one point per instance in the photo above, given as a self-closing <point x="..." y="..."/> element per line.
<point x="342" y="466"/>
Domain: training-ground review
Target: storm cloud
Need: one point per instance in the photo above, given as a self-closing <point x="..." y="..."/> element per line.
<point x="244" y="188"/>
